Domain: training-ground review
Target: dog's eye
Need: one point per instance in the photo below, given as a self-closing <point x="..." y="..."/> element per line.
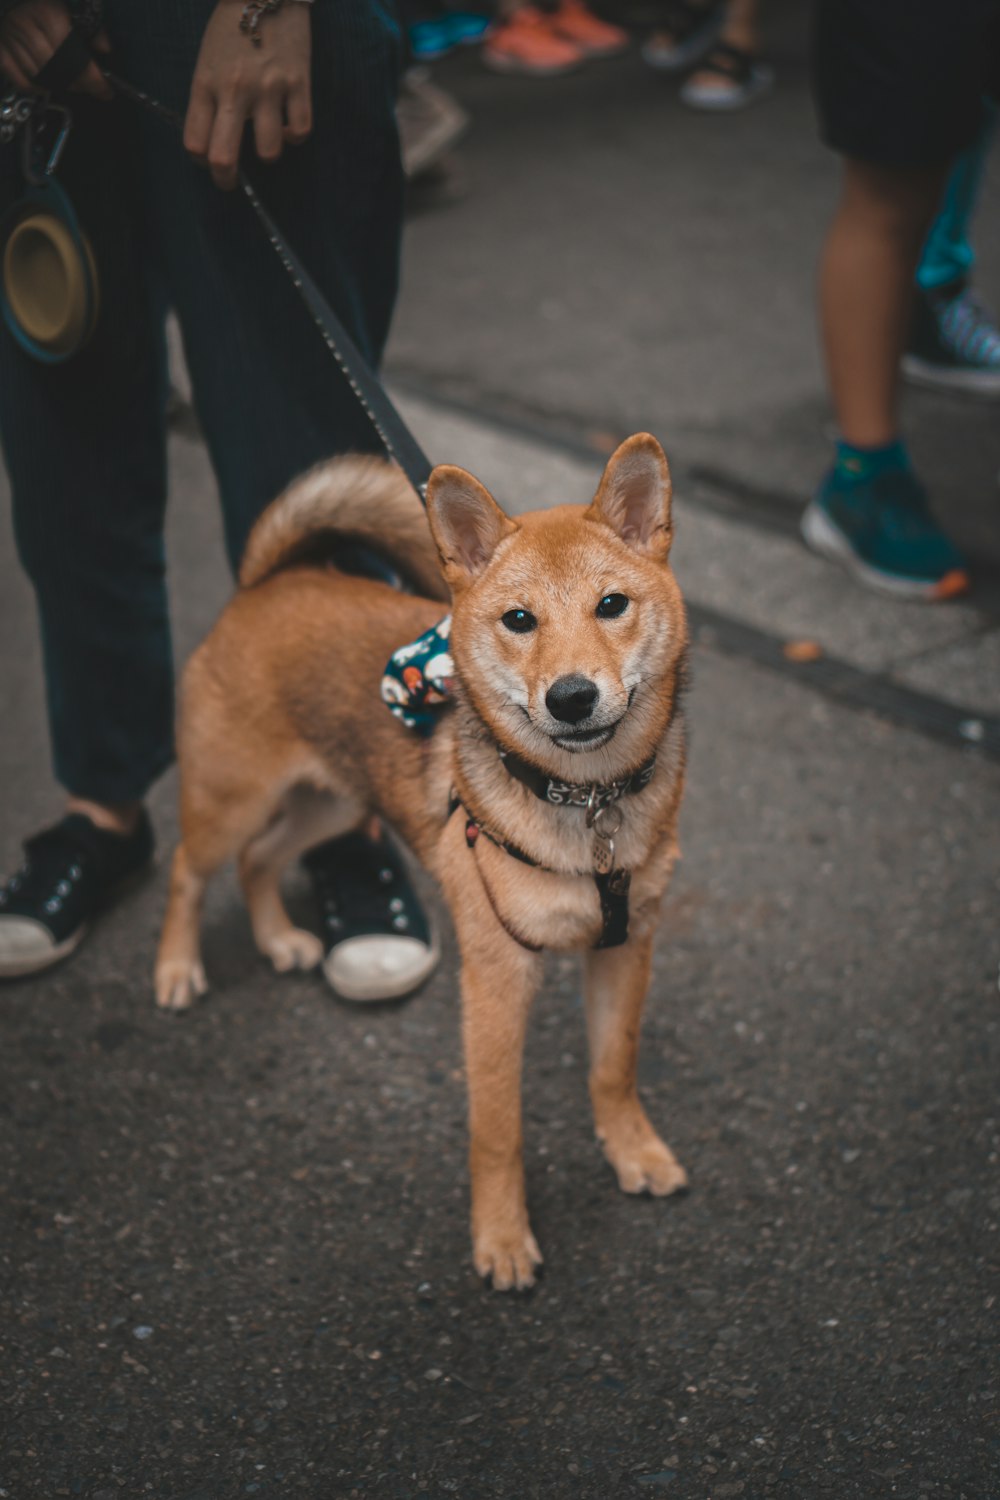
<point x="519" y="620"/>
<point x="611" y="605"/>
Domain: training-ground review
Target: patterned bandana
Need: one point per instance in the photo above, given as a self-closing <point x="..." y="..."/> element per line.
<point x="419" y="679"/>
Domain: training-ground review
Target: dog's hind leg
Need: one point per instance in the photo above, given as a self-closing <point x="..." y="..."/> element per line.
<point x="307" y="817"/>
<point x="616" y="984"/>
<point x="180" y="974"/>
<point x="216" y="823"/>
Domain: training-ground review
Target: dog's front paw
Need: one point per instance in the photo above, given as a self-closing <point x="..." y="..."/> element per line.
<point x="509" y="1257"/>
<point x="646" y="1166"/>
<point x="293" y="949"/>
<point x="179" y="982"/>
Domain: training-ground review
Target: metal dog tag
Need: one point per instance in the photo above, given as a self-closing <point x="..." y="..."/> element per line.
<point x="605" y="821"/>
<point x="604" y="853"/>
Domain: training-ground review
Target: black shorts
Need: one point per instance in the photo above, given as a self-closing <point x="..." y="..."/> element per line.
<point x="900" y="83"/>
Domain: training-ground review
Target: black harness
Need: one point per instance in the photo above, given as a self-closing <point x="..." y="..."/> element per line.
<point x="604" y="816"/>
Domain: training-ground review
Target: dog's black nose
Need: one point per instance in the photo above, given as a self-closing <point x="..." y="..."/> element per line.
<point x="571" y="699"/>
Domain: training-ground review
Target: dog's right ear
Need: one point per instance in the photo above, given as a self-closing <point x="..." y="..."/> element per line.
<point x="466" y="523"/>
<point x="634" y="496"/>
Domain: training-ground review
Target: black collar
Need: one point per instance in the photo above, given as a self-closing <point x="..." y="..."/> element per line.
<point x="593" y="795"/>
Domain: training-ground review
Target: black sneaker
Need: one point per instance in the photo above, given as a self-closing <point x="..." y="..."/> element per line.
<point x="687" y="30"/>
<point x="954" y="342"/>
<point x="378" y="941"/>
<point x="70" y="873"/>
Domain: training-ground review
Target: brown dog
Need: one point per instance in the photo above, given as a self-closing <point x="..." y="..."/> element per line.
<point x="545" y="804"/>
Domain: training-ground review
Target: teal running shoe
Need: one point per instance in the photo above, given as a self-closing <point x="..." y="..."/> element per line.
<point x="881" y="530"/>
<point x="435" y="38"/>
<point x="466" y="26"/>
<point x="431" y="40"/>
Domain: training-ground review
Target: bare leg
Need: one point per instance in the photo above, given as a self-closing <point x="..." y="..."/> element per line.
<point x="739" y="29"/>
<point x="740" y="26"/>
<point x="616" y="984"/>
<point x="119" y="817"/>
<point x="866" y="288"/>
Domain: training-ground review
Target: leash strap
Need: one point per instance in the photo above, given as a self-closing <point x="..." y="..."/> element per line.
<point x="472" y="832"/>
<point x="612" y="891"/>
<point x="395" y="437"/>
<point x="65" y="65"/>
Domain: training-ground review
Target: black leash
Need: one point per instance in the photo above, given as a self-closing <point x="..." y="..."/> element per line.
<point x="395" y="437"/>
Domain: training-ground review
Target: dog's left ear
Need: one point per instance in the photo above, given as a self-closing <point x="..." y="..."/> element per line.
<point x="633" y="497"/>
<point x="466" y="523"/>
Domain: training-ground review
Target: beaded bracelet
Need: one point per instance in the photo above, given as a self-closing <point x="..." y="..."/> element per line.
<point x="254" y="12"/>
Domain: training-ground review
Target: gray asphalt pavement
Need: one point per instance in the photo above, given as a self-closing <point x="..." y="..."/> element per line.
<point x="234" y="1245"/>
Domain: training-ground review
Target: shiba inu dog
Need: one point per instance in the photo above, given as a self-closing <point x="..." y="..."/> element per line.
<point x="545" y="803"/>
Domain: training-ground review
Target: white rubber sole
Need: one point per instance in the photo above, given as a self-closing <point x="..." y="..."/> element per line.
<point x="722" y="101"/>
<point x="25" y="966"/>
<point x="385" y="967"/>
<point x="932" y="377"/>
<point x="821" y="535"/>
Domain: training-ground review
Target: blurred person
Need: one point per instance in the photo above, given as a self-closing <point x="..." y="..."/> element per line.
<point x="547" y="41"/>
<point x="899" y="91"/>
<point x="430" y="119"/>
<point x="84" y="440"/>
<point x="954" y="342"/>
<point x="721" y="42"/>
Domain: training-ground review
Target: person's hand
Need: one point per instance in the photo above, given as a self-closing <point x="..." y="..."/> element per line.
<point x="234" y="81"/>
<point x="31" y="33"/>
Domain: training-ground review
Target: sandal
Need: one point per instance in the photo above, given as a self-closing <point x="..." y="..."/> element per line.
<point x="377" y="940"/>
<point x="686" y="34"/>
<point x="741" y="79"/>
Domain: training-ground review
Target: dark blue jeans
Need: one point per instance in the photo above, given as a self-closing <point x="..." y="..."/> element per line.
<point x="85" y="443"/>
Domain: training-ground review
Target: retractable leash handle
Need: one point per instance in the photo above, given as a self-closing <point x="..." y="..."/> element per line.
<point x="49" y="294"/>
<point x="393" y="433"/>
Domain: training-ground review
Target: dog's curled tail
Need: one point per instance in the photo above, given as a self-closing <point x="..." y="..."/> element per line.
<point x="356" y="498"/>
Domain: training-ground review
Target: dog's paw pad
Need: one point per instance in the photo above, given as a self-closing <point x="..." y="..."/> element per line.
<point x="179" y="982"/>
<point x="649" y="1168"/>
<point x="508" y="1260"/>
<point x="294" y="949"/>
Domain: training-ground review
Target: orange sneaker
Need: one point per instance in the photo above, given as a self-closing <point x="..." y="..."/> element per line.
<point x="595" y="38"/>
<point x="527" y="44"/>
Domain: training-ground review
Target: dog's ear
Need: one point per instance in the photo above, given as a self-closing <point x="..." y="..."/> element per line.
<point x="466" y="523"/>
<point x="633" y="497"/>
